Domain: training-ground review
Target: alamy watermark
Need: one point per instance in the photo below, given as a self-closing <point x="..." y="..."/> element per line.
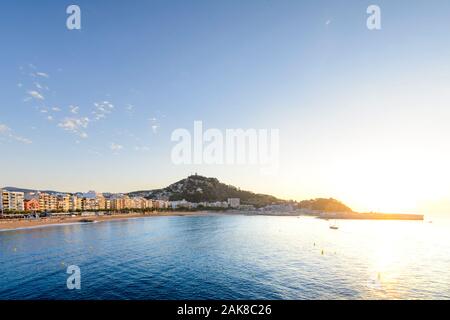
<point x="374" y="20"/>
<point x="259" y="147"/>
<point x="74" y="280"/>
<point x="73" y="22"/>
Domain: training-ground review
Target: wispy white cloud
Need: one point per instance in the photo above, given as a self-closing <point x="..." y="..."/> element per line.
<point x="4" y="128"/>
<point x="40" y="86"/>
<point x="23" y="140"/>
<point x="8" y="133"/>
<point x="56" y="109"/>
<point x="115" y="147"/>
<point x="75" y="125"/>
<point x="42" y="74"/>
<point x="154" y="124"/>
<point x="36" y="95"/>
<point x="102" y="109"/>
<point x="74" y="109"/>
<point x="129" y="108"/>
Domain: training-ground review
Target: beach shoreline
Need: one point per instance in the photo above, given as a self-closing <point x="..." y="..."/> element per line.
<point x="23" y="224"/>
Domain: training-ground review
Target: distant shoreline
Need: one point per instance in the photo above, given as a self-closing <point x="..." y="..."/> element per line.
<point x="370" y="216"/>
<point x="24" y="224"/>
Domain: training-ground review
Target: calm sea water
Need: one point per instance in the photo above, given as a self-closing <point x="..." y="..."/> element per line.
<point x="229" y="257"/>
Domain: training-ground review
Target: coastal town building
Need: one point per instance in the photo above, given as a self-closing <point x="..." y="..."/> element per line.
<point x="117" y="203"/>
<point x="107" y="204"/>
<point x="12" y="201"/>
<point x="278" y="208"/>
<point x="128" y="202"/>
<point x="140" y="203"/>
<point x="123" y="202"/>
<point x="101" y="201"/>
<point x="92" y="201"/>
<point x="47" y="202"/>
<point x="161" y="204"/>
<point x="75" y="203"/>
<point x="179" y="204"/>
<point x="234" y="202"/>
<point x="63" y="202"/>
<point x="1" y="201"/>
<point x="214" y="204"/>
<point x="246" y="207"/>
<point x="148" y="204"/>
<point x="31" y="204"/>
<point x="89" y="204"/>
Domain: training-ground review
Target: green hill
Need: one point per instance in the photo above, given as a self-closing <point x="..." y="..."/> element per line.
<point x="197" y="188"/>
<point x="326" y="205"/>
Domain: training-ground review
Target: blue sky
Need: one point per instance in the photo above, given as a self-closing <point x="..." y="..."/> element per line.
<point x="363" y="115"/>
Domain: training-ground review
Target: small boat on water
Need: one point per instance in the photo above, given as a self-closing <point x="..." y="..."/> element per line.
<point x="334" y="226"/>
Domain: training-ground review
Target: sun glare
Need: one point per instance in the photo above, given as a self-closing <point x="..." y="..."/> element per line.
<point x="390" y="183"/>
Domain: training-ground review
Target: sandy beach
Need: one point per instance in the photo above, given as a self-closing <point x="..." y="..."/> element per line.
<point x="11" y="224"/>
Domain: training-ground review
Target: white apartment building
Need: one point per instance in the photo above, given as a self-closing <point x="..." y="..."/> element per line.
<point x="234" y="202"/>
<point x="180" y="204"/>
<point x="12" y="201"/>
